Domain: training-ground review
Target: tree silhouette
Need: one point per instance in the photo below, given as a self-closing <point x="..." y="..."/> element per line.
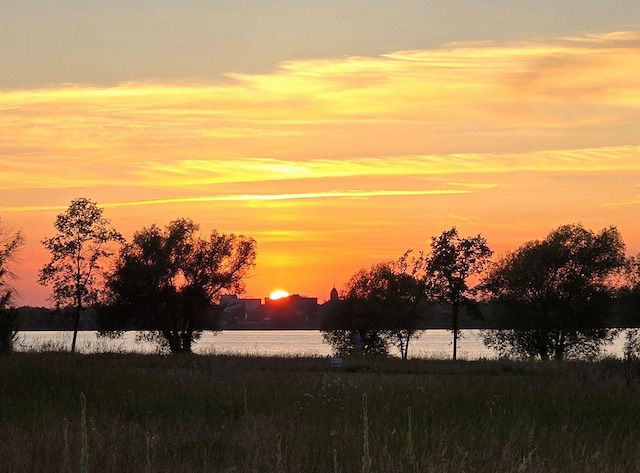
<point x="554" y="294"/>
<point x="166" y="281"/>
<point x="9" y="244"/>
<point x="452" y="261"/>
<point x="383" y="304"/>
<point x="77" y="254"/>
<point x="627" y="307"/>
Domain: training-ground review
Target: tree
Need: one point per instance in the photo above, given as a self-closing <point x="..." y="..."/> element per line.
<point x="452" y="261"/>
<point x="628" y="307"/>
<point x="554" y="294"/>
<point x="78" y="252"/>
<point x="9" y="244"/>
<point x="166" y="282"/>
<point x="384" y="305"/>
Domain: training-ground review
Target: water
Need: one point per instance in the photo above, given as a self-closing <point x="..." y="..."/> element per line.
<point x="431" y="344"/>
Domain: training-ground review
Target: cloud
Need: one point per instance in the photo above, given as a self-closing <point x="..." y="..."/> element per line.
<point x="571" y="104"/>
<point x="348" y="194"/>
<point x="632" y="201"/>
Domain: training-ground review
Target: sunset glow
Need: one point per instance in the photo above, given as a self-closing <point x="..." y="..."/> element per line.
<point x="334" y="161"/>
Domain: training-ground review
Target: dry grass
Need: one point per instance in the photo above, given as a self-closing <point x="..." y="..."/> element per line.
<point x="240" y="414"/>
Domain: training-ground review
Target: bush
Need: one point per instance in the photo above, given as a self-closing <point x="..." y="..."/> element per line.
<point x="8" y="330"/>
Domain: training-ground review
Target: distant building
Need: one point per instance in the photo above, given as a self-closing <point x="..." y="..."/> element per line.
<point x="236" y="310"/>
<point x="292" y="311"/>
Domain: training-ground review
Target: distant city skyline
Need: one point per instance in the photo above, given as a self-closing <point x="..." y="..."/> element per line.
<point x="337" y="134"/>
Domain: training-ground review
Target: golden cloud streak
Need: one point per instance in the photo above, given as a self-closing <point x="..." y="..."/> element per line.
<point x="181" y="173"/>
<point x="571" y="104"/>
<point x="350" y="194"/>
<point x="634" y="201"/>
<point x="259" y="169"/>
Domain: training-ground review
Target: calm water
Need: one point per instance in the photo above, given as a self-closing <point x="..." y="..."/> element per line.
<point x="433" y="343"/>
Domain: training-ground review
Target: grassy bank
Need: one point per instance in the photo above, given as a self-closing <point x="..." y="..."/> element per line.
<point x="149" y="413"/>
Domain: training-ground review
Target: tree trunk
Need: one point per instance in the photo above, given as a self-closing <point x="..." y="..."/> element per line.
<point x="454" y="327"/>
<point x="186" y="341"/>
<point x="542" y="344"/>
<point x="560" y="342"/>
<point x="78" y="297"/>
<point x="76" y="327"/>
<point x="405" y="355"/>
<point x="174" y="342"/>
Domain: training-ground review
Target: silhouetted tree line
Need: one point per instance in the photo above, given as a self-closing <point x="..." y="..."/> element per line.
<point x="165" y="283"/>
<point x="550" y="298"/>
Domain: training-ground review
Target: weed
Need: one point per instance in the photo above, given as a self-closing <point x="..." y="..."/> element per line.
<point x="84" y="451"/>
<point x="366" y="457"/>
<point x="230" y="413"/>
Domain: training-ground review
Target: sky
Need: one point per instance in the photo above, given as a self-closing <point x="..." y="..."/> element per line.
<point x="338" y="134"/>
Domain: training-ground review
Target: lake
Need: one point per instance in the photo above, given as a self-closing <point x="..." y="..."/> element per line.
<point x="432" y="343"/>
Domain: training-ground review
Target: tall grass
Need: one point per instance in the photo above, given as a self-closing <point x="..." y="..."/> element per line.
<point x="144" y="413"/>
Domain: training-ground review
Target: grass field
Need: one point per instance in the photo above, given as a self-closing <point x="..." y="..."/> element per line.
<point x="152" y="413"/>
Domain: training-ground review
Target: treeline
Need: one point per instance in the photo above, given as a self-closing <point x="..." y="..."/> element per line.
<point x="550" y="298"/>
<point x="165" y="282"/>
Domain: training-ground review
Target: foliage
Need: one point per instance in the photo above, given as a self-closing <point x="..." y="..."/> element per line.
<point x="10" y="242"/>
<point x="373" y="342"/>
<point x="584" y="344"/>
<point x="166" y="281"/>
<point x="78" y="252"/>
<point x="554" y="294"/>
<point x="628" y="294"/>
<point x="8" y="329"/>
<point x="628" y="307"/>
<point x="633" y="272"/>
<point x="383" y="304"/>
<point x="632" y="344"/>
<point x="451" y="262"/>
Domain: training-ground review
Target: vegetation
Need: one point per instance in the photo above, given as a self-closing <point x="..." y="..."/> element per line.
<point x="166" y="282"/>
<point x="10" y="242"/>
<point x="628" y="306"/>
<point x="143" y="413"/>
<point x="384" y="305"/>
<point x="552" y="297"/>
<point x="451" y="262"/>
<point x="555" y="294"/>
<point x="78" y="252"/>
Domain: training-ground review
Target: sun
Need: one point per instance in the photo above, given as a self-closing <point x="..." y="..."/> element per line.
<point x="278" y="294"/>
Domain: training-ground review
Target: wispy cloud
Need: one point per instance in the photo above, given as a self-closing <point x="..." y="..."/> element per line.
<point x="632" y="201"/>
<point x="349" y="194"/>
<point x="463" y="107"/>
<point x="339" y="160"/>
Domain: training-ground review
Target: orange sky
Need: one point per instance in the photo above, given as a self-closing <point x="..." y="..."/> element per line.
<point x="335" y="164"/>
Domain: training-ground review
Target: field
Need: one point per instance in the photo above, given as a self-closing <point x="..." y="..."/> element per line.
<point x="153" y="413"/>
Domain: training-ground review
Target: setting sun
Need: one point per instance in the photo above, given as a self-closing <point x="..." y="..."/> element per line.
<point x="278" y="294"/>
<point x="336" y="145"/>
